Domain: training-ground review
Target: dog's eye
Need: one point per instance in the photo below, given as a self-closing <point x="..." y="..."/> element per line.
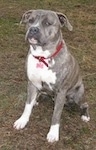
<point x="31" y="20"/>
<point x="48" y="23"/>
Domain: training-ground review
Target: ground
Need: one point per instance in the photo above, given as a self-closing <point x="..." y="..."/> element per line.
<point x="74" y="134"/>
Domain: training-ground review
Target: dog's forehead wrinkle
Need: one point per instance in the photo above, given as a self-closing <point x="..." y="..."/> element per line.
<point x="42" y="13"/>
<point x="41" y="16"/>
<point x="36" y="24"/>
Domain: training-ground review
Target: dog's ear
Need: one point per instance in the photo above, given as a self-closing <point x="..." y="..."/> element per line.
<point x="25" y="16"/>
<point x="64" y="21"/>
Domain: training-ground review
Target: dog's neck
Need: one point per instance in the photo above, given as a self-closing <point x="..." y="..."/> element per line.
<point x="42" y="56"/>
<point x="38" y="51"/>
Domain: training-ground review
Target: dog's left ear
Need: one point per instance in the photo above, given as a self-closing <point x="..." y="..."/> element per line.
<point x="25" y="16"/>
<point x="64" y="21"/>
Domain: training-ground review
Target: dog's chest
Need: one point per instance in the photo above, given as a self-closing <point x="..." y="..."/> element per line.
<point x="38" y="72"/>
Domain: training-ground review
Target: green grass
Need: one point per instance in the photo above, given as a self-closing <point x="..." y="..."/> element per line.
<point x="74" y="134"/>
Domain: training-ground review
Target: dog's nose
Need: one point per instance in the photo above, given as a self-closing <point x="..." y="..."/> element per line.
<point x="34" y="30"/>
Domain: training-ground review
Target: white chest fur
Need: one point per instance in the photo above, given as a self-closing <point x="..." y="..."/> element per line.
<point x="37" y="75"/>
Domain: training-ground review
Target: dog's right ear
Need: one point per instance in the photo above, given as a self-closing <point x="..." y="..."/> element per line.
<point x="25" y="16"/>
<point x="64" y="21"/>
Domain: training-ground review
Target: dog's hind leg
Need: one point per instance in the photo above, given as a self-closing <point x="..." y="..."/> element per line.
<point x="84" y="112"/>
<point x="77" y="97"/>
<point x="79" y="100"/>
<point x="31" y="101"/>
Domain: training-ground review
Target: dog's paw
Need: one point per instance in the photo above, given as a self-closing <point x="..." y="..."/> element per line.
<point x="36" y="103"/>
<point x="53" y="135"/>
<point x="85" y="118"/>
<point x="20" y="123"/>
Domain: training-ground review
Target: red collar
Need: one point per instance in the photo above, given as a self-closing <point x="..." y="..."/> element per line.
<point x="42" y="59"/>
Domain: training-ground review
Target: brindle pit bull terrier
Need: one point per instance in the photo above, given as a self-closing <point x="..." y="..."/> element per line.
<point x="51" y="68"/>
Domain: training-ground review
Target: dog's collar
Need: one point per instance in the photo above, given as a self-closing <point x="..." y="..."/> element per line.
<point x="43" y="59"/>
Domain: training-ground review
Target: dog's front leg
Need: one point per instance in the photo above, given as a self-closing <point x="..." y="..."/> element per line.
<point x="53" y="134"/>
<point x="31" y="101"/>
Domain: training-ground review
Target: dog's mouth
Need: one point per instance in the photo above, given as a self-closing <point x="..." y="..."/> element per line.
<point x="32" y="41"/>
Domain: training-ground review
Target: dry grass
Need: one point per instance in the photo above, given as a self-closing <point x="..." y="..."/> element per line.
<point x="74" y="134"/>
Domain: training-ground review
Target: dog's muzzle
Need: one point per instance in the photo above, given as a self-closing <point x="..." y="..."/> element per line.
<point x="33" y="35"/>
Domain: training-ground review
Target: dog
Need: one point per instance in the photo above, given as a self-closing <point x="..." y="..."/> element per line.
<point x="50" y="68"/>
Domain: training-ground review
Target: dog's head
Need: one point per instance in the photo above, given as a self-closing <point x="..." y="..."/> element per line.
<point x="43" y="26"/>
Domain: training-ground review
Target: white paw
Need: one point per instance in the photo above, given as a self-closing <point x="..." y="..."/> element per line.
<point x="20" y="123"/>
<point x="52" y="137"/>
<point x="85" y="118"/>
<point x="36" y="103"/>
<point x="53" y="134"/>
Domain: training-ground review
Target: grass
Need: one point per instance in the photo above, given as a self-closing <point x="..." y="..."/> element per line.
<point x="74" y="134"/>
